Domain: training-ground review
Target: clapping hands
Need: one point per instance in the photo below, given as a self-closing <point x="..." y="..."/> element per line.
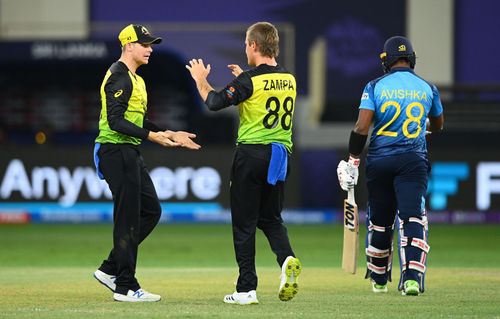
<point x="174" y="139"/>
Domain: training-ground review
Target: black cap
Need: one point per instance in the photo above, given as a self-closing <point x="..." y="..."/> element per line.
<point x="137" y="33"/>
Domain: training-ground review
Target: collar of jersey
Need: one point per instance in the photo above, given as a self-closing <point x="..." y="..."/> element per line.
<point x="404" y="69"/>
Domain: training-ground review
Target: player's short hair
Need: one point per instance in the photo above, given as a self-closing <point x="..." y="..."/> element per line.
<point x="265" y="35"/>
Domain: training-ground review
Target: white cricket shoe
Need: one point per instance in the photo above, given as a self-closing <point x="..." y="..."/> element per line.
<point x="242" y="298"/>
<point x="140" y="295"/>
<point x="290" y="271"/>
<point x="105" y="279"/>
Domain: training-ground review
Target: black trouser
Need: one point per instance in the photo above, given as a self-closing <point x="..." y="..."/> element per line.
<point x="255" y="203"/>
<point x="396" y="185"/>
<point x="136" y="210"/>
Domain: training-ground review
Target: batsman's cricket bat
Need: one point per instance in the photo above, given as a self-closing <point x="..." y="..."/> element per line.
<point x="351" y="234"/>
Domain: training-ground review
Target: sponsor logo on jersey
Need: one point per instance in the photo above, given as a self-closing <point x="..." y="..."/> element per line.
<point x="365" y="96"/>
<point x="118" y="93"/>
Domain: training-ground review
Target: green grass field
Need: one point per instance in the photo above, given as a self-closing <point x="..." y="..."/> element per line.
<point x="46" y="272"/>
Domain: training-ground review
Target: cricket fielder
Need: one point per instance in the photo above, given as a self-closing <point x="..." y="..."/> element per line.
<point x="123" y="125"/>
<point x="397" y="168"/>
<point x="265" y="96"/>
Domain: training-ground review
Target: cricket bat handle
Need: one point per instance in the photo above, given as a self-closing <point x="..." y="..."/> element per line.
<point x="350" y="196"/>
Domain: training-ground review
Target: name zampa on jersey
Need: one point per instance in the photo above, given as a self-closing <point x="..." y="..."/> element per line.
<point x="278" y="84"/>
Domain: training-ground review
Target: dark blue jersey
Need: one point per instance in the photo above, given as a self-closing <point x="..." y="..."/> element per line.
<point x="401" y="101"/>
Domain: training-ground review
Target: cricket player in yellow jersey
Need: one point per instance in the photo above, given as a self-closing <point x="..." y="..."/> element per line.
<point x="122" y="127"/>
<point x="265" y="96"/>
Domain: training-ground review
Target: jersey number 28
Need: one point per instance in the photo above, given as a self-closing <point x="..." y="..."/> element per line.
<point x="410" y="118"/>
<point x="273" y="117"/>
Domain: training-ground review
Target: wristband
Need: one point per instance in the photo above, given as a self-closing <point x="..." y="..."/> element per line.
<point x="356" y="143"/>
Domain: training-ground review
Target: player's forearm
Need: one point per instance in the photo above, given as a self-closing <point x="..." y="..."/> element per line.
<point x="203" y="88"/>
<point x="148" y="125"/>
<point x="359" y="134"/>
<point x="123" y="126"/>
<point x="217" y="101"/>
<point x="365" y="118"/>
<point x="436" y="123"/>
<point x="356" y="143"/>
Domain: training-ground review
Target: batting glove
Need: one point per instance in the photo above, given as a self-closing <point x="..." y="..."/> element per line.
<point x="348" y="173"/>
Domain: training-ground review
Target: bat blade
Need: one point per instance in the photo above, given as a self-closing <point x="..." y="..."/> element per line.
<point x="351" y="234"/>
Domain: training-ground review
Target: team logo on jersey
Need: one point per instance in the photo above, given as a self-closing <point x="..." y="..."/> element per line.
<point x="118" y="93"/>
<point x="365" y="96"/>
<point x="230" y="92"/>
<point x="402" y="48"/>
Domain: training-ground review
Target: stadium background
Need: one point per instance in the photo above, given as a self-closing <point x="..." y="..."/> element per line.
<point x="53" y="56"/>
<point x="53" y="59"/>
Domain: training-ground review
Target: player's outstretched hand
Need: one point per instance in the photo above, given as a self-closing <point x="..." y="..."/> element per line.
<point x="198" y="70"/>
<point x="184" y="139"/>
<point x="235" y="69"/>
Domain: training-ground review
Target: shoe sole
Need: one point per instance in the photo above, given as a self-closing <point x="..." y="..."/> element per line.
<point x="410" y="292"/>
<point x="128" y="299"/>
<point x="291" y="286"/>
<point x="379" y="291"/>
<point x="228" y="299"/>
<point x="241" y="304"/>
<point x="103" y="283"/>
<point x="248" y="304"/>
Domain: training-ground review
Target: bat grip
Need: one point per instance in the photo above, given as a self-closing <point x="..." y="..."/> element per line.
<point x="350" y="195"/>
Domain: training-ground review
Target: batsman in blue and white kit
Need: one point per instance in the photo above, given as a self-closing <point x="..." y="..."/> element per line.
<point x="398" y="104"/>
